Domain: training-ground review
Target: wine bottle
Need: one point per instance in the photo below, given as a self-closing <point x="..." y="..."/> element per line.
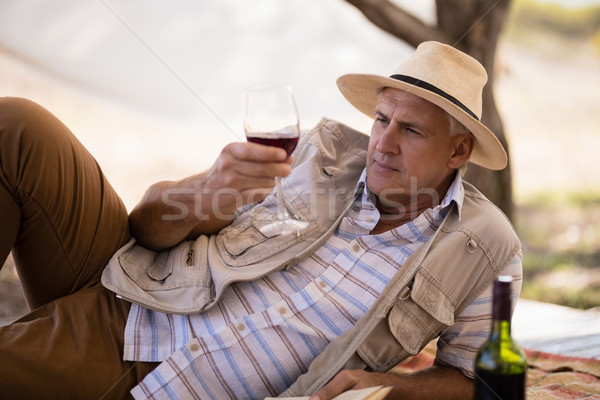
<point x="500" y="364"/>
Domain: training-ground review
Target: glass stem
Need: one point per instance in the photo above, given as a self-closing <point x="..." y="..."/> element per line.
<point x="281" y="211"/>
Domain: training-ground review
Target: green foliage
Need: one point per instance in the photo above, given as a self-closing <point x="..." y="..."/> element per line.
<point x="572" y="22"/>
<point x="561" y="248"/>
<point x="596" y="42"/>
<point x="578" y="298"/>
<point x="568" y="199"/>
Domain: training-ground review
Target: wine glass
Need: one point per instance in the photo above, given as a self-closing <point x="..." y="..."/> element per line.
<point x="271" y="118"/>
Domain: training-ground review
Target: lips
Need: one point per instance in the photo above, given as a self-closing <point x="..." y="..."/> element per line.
<point x="384" y="167"/>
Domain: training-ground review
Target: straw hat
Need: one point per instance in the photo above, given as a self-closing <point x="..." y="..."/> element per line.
<point x="446" y="77"/>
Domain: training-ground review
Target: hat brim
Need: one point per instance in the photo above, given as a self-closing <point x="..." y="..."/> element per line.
<point x="361" y="90"/>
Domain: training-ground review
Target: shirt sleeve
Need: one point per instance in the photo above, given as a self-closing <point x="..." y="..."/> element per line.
<point x="458" y="344"/>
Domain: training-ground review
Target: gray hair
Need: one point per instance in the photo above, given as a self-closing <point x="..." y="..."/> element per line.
<point x="457" y="128"/>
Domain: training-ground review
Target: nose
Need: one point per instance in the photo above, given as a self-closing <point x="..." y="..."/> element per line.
<point x="388" y="141"/>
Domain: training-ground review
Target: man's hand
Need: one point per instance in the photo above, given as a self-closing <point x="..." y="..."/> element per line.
<point x="353" y="379"/>
<point x="248" y="171"/>
<point x="172" y="211"/>
<point x="431" y="383"/>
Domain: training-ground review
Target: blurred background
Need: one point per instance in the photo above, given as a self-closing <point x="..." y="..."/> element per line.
<point x="153" y="89"/>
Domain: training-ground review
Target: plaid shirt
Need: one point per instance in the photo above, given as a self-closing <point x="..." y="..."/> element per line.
<point x="263" y="334"/>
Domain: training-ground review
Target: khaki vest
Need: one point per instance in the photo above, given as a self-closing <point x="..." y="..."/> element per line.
<point x="432" y="287"/>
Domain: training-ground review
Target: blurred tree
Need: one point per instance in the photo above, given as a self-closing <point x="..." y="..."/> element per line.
<point x="472" y="26"/>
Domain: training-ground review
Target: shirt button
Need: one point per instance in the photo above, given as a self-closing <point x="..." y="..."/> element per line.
<point x="322" y="284"/>
<point x="282" y="310"/>
<point x="369" y="219"/>
<point x="194" y="347"/>
<point x="241" y="327"/>
<point x="356" y="248"/>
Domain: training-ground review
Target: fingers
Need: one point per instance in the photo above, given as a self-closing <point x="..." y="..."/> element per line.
<point x="248" y="170"/>
<point x="354" y="379"/>
<point x="257" y="162"/>
<point x="345" y="380"/>
<point x="255" y="152"/>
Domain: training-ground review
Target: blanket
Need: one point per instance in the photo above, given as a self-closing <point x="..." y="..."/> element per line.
<point x="549" y="377"/>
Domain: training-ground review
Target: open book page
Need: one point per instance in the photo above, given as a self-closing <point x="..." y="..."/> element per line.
<point x="371" y="393"/>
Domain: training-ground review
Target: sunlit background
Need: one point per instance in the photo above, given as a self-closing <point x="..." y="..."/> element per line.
<point x="153" y="88"/>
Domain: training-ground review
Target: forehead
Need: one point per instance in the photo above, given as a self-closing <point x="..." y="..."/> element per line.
<point x="391" y="98"/>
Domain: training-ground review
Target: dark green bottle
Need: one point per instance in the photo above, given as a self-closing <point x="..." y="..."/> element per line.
<point x="500" y="365"/>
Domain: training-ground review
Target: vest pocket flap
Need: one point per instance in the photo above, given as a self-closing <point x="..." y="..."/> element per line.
<point x="147" y="268"/>
<point x="428" y="293"/>
<point x="242" y="244"/>
<point x="159" y="270"/>
<point x="244" y="236"/>
<point x="151" y="270"/>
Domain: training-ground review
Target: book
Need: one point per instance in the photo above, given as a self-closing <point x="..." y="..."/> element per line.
<point x="370" y="393"/>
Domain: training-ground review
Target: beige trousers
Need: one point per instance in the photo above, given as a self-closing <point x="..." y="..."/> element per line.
<point x="62" y="221"/>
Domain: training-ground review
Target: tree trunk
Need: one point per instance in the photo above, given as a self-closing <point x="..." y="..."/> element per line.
<point x="472" y="26"/>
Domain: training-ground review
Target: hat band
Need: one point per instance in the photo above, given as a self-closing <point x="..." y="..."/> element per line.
<point x="436" y="90"/>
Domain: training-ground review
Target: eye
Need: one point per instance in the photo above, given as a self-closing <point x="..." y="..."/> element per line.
<point x="412" y="131"/>
<point x="381" y="119"/>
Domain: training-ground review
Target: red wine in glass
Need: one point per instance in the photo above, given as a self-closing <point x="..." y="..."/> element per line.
<point x="271" y="118"/>
<point x="286" y="143"/>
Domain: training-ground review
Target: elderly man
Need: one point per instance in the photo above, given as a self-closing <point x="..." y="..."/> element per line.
<point x="398" y="251"/>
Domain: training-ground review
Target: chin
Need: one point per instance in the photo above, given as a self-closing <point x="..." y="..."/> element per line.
<point x="378" y="186"/>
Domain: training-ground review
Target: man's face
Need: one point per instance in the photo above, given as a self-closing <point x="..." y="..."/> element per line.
<point x="409" y="149"/>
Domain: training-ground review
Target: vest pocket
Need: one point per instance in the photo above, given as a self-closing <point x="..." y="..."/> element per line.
<point x="237" y="241"/>
<point x="174" y="281"/>
<point x="416" y="319"/>
<point x="183" y="265"/>
<point x="241" y="243"/>
<point x="419" y="314"/>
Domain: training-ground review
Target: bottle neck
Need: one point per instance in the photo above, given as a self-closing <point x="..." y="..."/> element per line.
<point x="501" y="309"/>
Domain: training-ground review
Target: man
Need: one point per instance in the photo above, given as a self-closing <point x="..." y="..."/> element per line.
<point x="398" y="251"/>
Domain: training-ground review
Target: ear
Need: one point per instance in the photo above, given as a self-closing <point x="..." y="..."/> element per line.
<point x="463" y="147"/>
